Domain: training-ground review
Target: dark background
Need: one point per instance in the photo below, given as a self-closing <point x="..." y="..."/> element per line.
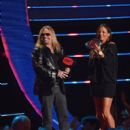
<point x="79" y="98"/>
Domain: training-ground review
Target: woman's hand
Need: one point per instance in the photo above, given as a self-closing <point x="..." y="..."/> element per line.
<point x="97" y="48"/>
<point x="98" y="51"/>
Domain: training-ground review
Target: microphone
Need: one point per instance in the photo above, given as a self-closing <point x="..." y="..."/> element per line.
<point x="91" y="43"/>
<point x="67" y="61"/>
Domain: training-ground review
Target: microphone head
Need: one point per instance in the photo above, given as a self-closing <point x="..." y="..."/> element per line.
<point x="68" y="61"/>
<point x="91" y="43"/>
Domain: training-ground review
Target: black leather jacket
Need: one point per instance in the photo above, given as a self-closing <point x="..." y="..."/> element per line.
<point x="46" y="71"/>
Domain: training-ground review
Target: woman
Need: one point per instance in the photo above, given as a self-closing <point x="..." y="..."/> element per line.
<point x="50" y="73"/>
<point x="103" y="74"/>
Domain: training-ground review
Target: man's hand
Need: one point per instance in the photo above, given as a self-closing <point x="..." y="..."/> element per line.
<point x="62" y="74"/>
<point x="67" y="69"/>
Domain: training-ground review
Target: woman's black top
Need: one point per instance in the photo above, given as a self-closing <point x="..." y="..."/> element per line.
<point x="103" y="71"/>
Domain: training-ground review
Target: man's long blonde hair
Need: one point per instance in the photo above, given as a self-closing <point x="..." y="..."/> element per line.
<point x="55" y="43"/>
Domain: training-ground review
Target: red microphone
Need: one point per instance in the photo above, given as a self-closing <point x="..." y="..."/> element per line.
<point x="67" y="61"/>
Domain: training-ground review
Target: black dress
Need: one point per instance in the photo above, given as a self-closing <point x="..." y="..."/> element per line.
<point x="103" y="72"/>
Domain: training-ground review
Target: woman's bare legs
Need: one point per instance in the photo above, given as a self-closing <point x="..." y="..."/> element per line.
<point x="103" y="106"/>
<point x="98" y="108"/>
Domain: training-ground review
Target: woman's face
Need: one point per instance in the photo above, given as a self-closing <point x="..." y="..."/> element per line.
<point x="103" y="34"/>
<point x="46" y="37"/>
